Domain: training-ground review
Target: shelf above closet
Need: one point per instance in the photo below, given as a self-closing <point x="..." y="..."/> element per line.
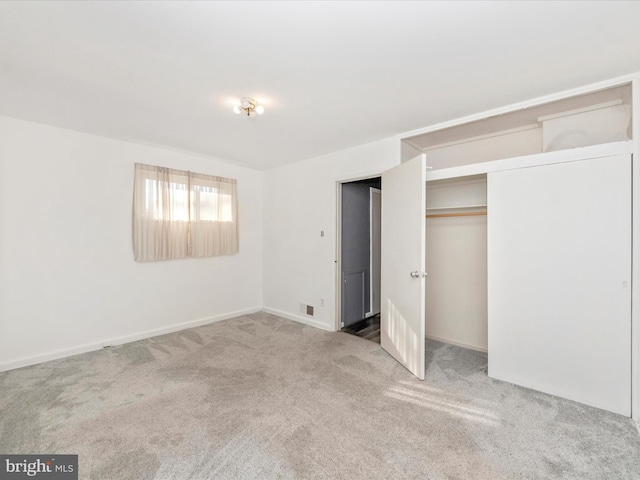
<point x="589" y="119"/>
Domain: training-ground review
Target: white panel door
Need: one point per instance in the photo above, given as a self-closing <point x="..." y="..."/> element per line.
<point x="559" y="272"/>
<point x="402" y="307"/>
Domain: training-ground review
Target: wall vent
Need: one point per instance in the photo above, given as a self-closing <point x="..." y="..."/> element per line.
<point x="306" y="309"/>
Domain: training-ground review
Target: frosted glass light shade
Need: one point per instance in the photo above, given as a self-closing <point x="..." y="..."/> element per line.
<point x="249" y="107"/>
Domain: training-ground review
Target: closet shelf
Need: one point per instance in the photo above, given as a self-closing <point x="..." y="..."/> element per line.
<point x="456" y="207"/>
<point x="458" y="214"/>
<point x="457" y="211"/>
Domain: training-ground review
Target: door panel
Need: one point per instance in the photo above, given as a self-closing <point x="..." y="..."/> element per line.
<point x="559" y="271"/>
<point x="402" y="317"/>
<point x="353" y="293"/>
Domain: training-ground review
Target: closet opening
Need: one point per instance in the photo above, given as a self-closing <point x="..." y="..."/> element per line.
<point x="358" y="258"/>
<point x="456" y="262"/>
<point x="514" y="248"/>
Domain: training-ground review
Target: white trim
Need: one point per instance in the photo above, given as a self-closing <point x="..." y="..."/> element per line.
<point x="371" y="313"/>
<point x="89" y="347"/>
<point x="357" y="178"/>
<point x="635" y="255"/>
<point x="594" y="87"/>
<point x="535" y="160"/>
<point x="337" y="287"/>
<point x="457" y="344"/>
<point x="45" y="357"/>
<point x="298" y="318"/>
<point x="180" y="326"/>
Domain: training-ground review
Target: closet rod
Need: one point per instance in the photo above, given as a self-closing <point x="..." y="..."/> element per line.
<point x="462" y="214"/>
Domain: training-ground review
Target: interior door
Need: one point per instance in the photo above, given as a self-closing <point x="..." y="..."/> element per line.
<point x="559" y="262"/>
<point x="402" y="309"/>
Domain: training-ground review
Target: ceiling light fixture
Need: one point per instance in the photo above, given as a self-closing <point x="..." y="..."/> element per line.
<point x="249" y="107"/>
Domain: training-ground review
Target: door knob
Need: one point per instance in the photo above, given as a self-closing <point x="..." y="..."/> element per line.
<point x="416" y="274"/>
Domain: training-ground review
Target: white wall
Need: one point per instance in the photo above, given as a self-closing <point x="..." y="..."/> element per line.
<point x="300" y="202"/>
<point x="68" y="281"/>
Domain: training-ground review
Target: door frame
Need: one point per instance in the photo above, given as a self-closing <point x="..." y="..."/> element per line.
<point x="338" y="260"/>
<point x="371" y="244"/>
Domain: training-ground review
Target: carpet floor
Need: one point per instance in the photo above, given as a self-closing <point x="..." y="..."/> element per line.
<point x="261" y="397"/>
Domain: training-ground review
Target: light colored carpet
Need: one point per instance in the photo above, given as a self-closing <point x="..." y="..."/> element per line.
<point x="260" y="397"/>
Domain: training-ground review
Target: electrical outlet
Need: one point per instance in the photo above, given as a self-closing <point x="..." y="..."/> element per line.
<point x="310" y="310"/>
<point x="322" y="302"/>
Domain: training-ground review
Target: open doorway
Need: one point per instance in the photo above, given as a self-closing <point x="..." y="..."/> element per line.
<point x="359" y="254"/>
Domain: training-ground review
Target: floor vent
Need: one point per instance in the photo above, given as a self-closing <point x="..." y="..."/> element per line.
<point x="306" y="309"/>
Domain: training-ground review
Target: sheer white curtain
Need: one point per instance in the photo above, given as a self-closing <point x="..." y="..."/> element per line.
<point x="214" y="229"/>
<point x="177" y="214"/>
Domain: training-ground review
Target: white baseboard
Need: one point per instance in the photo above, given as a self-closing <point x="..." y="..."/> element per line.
<point x="179" y="326"/>
<point x="45" y="357"/>
<point x="298" y="318"/>
<point x="89" y="347"/>
<point x="457" y="344"/>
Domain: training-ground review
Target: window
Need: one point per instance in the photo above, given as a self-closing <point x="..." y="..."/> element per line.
<point x="178" y="214"/>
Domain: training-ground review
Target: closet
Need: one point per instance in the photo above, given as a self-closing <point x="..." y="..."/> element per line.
<point x="528" y="244"/>
<point x="456" y="260"/>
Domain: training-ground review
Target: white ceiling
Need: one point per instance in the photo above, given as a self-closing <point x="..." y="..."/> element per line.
<point x="330" y="74"/>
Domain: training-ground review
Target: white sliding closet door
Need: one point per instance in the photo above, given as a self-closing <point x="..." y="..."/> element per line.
<point x="559" y="280"/>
